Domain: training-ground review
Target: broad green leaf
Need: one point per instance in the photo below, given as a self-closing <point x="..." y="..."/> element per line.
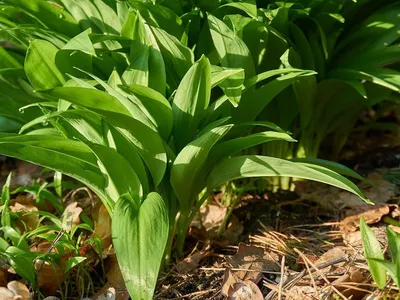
<point x="109" y="17"/>
<point x="119" y="176"/>
<point x="146" y="62"/>
<point x="91" y="98"/>
<point x="140" y="235"/>
<point x="248" y="6"/>
<point x="81" y="42"/>
<point x="138" y="70"/>
<point x="51" y="16"/>
<point x="253" y="102"/>
<point x="230" y="81"/>
<point x="40" y="66"/>
<point x="372" y="251"/>
<point x="155" y="106"/>
<point x="69" y="157"/>
<point x="118" y="141"/>
<point x="128" y="101"/>
<point x="264" y="166"/>
<point x="232" y="51"/>
<point x="339" y="168"/>
<point x="384" y="77"/>
<point x="7" y="61"/>
<point x="177" y="58"/>
<point x="189" y="162"/>
<point x="159" y="16"/>
<point x="148" y="142"/>
<point x="72" y="262"/>
<point x="227" y="148"/>
<point x="190" y="101"/>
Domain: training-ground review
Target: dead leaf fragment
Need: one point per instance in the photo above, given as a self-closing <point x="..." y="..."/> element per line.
<point x="212" y="216"/>
<point x="246" y="290"/>
<point x="371" y="214"/>
<point x="71" y="215"/>
<point x="191" y="262"/>
<point x="255" y="260"/>
<point x="31" y="221"/>
<point x="6" y="294"/>
<point x="21" y="292"/>
<point x="234" y="288"/>
<point x="102" y="225"/>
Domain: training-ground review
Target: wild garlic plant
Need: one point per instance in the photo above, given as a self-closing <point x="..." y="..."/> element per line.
<point x="151" y="125"/>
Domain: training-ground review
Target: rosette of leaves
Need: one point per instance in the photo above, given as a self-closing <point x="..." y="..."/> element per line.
<point x="129" y="109"/>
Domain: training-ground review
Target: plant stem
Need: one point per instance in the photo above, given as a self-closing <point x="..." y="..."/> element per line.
<point x="184" y="221"/>
<point x="222" y="227"/>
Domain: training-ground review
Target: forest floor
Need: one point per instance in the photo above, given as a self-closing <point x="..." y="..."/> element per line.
<point x="302" y="244"/>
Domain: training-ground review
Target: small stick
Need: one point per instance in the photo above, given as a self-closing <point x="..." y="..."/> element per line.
<point x="281" y="281"/>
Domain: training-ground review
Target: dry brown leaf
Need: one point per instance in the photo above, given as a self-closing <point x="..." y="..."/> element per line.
<point x="31" y="220"/>
<point x="6" y="294"/>
<point x="246" y="290"/>
<point x="229" y="280"/>
<point x="354" y="239"/>
<point x="330" y="255"/>
<point x="191" y="262"/>
<point x="19" y="289"/>
<point x="72" y="213"/>
<point x="102" y="225"/>
<point x="212" y="216"/>
<point x="232" y="233"/>
<point x="371" y="214"/>
<point x="255" y="259"/>
<point x="49" y="275"/>
<point x="301" y="293"/>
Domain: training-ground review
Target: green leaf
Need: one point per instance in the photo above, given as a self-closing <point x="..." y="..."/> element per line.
<point x="384" y="77"/>
<point x="72" y="158"/>
<point x="394" y="245"/>
<point x="189" y="162"/>
<point x="155" y="107"/>
<point x="40" y="66"/>
<point x="58" y="183"/>
<point x="16" y="239"/>
<point x="148" y="142"/>
<point x="339" y="168"/>
<point x="232" y="51"/>
<point x="253" y="102"/>
<point x="119" y="176"/>
<point x="72" y="262"/>
<point x="392" y="268"/>
<point x="146" y="62"/>
<point x="5" y="201"/>
<point x="109" y="17"/>
<point x="22" y="262"/>
<point x="140" y="235"/>
<point x="230" y="81"/>
<point x="264" y="166"/>
<point x="372" y="251"/>
<point x="81" y="42"/>
<point x="51" y="16"/>
<point x="177" y="58"/>
<point x="248" y="6"/>
<point x="190" y="101"/>
<point x="227" y="148"/>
